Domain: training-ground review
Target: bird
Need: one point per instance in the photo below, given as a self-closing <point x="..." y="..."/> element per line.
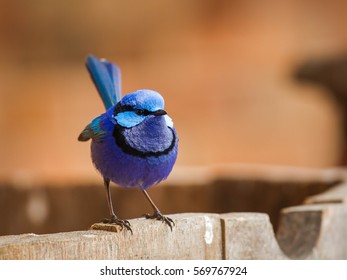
<point x="133" y="143"/>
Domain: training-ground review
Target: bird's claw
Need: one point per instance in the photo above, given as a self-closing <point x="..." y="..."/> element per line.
<point x="160" y="217"/>
<point x="122" y="223"/>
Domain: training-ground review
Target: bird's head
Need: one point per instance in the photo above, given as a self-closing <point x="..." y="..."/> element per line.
<point x="137" y="106"/>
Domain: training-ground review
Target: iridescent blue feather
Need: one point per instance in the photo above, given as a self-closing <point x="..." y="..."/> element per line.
<point x="107" y="79"/>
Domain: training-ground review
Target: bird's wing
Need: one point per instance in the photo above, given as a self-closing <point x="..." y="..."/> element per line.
<point x="107" y="79"/>
<point x="93" y="131"/>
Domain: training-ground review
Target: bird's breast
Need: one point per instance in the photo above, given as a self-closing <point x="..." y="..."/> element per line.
<point x="152" y="137"/>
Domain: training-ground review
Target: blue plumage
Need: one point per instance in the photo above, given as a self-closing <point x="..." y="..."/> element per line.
<point x="134" y="143"/>
<point x="107" y="79"/>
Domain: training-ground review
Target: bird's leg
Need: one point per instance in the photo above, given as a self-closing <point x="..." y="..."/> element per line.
<point x="113" y="219"/>
<point x="157" y="214"/>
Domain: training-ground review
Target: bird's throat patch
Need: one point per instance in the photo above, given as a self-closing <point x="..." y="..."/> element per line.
<point x="128" y="149"/>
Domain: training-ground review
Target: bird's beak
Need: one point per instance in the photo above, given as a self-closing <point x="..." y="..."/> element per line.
<point x="159" y="113"/>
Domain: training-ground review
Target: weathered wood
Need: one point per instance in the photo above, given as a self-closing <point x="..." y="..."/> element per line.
<point x="316" y="231"/>
<point x="305" y="232"/>
<point x="249" y="236"/>
<point x="195" y="236"/>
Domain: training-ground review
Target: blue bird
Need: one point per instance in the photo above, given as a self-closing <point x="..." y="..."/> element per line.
<point x="134" y="143"/>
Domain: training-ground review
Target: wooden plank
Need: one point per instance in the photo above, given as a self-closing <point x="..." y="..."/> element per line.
<point x="249" y="236"/>
<point x="195" y="236"/>
<point x="316" y="231"/>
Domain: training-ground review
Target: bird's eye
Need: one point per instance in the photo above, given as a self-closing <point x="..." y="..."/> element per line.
<point x="139" y="112"/>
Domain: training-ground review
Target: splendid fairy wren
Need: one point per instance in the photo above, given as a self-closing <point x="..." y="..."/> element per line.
<point x="134" y="143"/>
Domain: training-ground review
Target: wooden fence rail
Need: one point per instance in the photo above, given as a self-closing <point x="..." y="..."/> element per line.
<point x="314" y="230"/>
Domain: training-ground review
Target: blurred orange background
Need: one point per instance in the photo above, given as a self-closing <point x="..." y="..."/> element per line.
<point x="225" y="69"/>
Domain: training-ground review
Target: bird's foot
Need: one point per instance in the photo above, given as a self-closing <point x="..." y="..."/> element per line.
<point x="160" y="217"/>
<point x="122" y="223"/>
